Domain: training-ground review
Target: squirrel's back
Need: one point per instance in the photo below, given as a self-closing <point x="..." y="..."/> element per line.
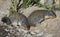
<point x="39" y="16"/>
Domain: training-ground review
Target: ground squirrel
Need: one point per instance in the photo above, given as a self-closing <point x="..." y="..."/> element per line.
<point x="17" y="19"/>
<point x="38" y="16"/>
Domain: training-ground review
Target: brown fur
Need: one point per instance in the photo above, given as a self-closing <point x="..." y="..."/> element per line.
<point x="42" y="14"/>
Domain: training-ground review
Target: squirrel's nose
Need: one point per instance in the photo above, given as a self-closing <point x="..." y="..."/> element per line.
<point x="14" y="24"/>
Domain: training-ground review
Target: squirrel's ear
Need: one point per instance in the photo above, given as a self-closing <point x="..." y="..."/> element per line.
<point x="6" y="20"/>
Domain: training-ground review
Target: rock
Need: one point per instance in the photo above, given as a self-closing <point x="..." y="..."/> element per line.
<point x="52" y="28"/>
<point x="5" y="4"/>
<point x="48" y="28"/>
<point x="58" y="14"/>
